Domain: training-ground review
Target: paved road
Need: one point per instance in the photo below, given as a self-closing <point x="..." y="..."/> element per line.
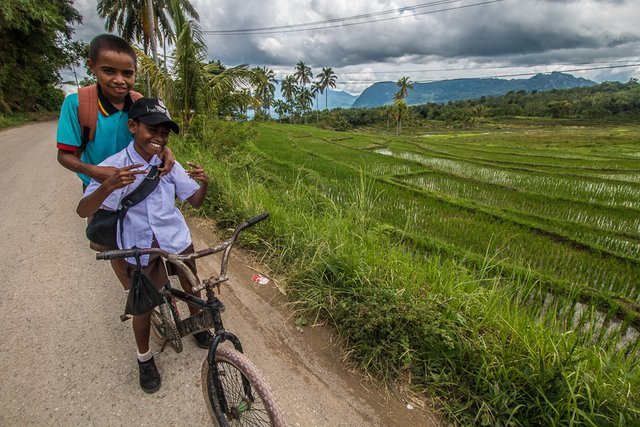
<point x="66" y="359"/>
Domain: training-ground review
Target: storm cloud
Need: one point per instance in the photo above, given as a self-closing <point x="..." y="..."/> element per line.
<point x="473" y="38"/>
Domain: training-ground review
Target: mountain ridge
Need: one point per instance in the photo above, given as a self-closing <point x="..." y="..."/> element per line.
<point x="382" y="93"/>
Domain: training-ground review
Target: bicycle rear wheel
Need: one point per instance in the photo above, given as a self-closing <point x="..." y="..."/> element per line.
<point x="163" y="327"/>
<point x="258" y="409"/>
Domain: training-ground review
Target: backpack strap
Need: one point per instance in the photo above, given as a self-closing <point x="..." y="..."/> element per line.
<point x="135" y="95"/>
<point x="88" y="112"/>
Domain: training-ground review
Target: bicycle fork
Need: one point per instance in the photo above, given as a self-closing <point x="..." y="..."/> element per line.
<point x="220" y="336"/>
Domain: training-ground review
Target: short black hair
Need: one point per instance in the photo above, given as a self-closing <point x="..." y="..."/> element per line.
<point x="110" y="42"/>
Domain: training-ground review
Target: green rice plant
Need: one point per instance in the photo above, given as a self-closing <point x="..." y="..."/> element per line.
<point x="586" y="189"/>
<point x="329" y="173"/>
<point x="423" y="287"/>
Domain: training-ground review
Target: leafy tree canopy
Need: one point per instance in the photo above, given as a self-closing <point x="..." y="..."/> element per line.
<point x="35" y="44"/>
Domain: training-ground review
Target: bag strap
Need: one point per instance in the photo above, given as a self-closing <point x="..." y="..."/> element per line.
<point x="88" y="112"/>
<point x="147" y="186"/>
<point x="135" y="95"/>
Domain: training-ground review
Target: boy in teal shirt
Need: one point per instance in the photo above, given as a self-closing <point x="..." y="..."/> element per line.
<point x="113" y="61"/>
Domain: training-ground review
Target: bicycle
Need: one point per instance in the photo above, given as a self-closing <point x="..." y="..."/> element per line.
<point x="234" y="391"/>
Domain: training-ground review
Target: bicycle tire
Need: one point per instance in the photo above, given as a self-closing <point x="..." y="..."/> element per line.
<point x="163" y="327"/>
<point x="232" y="365"/>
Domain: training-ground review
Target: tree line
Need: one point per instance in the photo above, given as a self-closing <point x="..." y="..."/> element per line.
<point x="35" y="42"/>
<point x="604" y="101"/>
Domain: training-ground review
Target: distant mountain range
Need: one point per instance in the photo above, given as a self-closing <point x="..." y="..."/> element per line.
<point x="382" y="93"/>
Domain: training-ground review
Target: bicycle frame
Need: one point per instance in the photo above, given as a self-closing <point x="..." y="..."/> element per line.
<point x="209" y="316"/>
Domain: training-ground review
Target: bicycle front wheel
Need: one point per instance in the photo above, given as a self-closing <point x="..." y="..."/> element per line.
<point x="257" y="408"/>
<point x="164" y="328"/>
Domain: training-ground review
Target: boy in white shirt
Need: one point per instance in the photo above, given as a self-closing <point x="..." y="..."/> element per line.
<point x="154" y="222"/>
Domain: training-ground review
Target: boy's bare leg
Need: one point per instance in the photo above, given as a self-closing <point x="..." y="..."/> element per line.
<point x="186" y="285"/>
<point x="119" y="267"/>
<point x="141" y="330"/>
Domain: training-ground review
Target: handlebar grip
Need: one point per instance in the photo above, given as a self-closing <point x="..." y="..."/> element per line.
<point x="257" y="219"/>
<point x="115" y="254"/>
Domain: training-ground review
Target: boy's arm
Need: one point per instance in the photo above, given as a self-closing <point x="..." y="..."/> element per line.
<point x="121" y="178"/>
<point x="198" y="174"/>
<point x="71" y="161"/>
<point x="69" y="142"/>
<point x="167" y="158"/>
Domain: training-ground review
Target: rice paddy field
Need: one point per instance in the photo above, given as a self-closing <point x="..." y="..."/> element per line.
<point x="498" y="272"/>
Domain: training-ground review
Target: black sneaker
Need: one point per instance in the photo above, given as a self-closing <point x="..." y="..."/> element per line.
<point x="203" y="339"/>
<point x="149" y="376"/>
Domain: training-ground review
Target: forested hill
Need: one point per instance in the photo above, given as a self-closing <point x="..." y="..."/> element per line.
<point x="382" y="93"/>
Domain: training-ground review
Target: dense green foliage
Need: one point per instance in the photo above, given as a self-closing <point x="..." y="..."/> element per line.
<point x="606" y="101"/>
<point x="34" y="45"/>
<point x="487" y="269"/>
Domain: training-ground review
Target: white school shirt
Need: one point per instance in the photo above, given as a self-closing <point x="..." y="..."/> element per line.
<point x="156" y="215"/>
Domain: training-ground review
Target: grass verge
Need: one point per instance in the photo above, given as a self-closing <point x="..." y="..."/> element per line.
<point x="456" y="333"/>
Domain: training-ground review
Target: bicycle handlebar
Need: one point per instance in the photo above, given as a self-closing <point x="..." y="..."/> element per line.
<point x="256" y="219"/>
<point x="130" y="253"/>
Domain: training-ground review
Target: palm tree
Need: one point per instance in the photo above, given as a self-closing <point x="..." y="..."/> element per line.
<point x="281" y="109"/>
<point x="176" y="10"/>
<point x="193" y="86"/>
<point x="303" y="73"/>
<point x="400" y="109"/>
<point x="399" y="105"/>
<point x="133" y="19"/>
<point x="264" y="87"/>
<point x="140" y="20"/>
<point x="327" y="80"/>
<point x="404" y="84"/>
<point x="289" y="91"/>
<point x="305" y="101"/>
<point x="288" y="88"/>
<point x="315" y="89"/>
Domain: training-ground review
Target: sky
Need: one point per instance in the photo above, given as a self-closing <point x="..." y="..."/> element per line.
<point x="365" y="41"/>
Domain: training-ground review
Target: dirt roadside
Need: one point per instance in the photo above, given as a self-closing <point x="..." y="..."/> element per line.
<point x="66" y="359"/>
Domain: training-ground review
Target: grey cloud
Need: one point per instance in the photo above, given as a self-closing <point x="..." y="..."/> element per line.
<point x="515" y="32"/>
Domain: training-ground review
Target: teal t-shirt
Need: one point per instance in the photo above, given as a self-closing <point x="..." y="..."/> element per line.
<point x="112" y="133"/>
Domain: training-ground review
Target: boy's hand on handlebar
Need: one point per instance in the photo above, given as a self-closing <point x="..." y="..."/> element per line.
<point x="122" y="177"/>
<point x="197" y="173"/>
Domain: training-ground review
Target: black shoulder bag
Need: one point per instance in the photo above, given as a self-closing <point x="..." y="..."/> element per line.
<point x="104" y="225"/>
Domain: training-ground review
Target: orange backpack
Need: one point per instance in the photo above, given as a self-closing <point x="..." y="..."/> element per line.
<point x="88" y="112"/>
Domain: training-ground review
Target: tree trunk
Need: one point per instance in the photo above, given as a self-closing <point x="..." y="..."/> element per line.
<point x="152" y="31"/>
<point x="164" y="48"/>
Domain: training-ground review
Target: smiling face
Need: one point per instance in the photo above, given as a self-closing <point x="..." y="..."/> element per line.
<point x="149" y="140"/>
<point x="116" y="74"/>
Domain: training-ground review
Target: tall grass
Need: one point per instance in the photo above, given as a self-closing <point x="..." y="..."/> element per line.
<point x="474" y="338"/>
